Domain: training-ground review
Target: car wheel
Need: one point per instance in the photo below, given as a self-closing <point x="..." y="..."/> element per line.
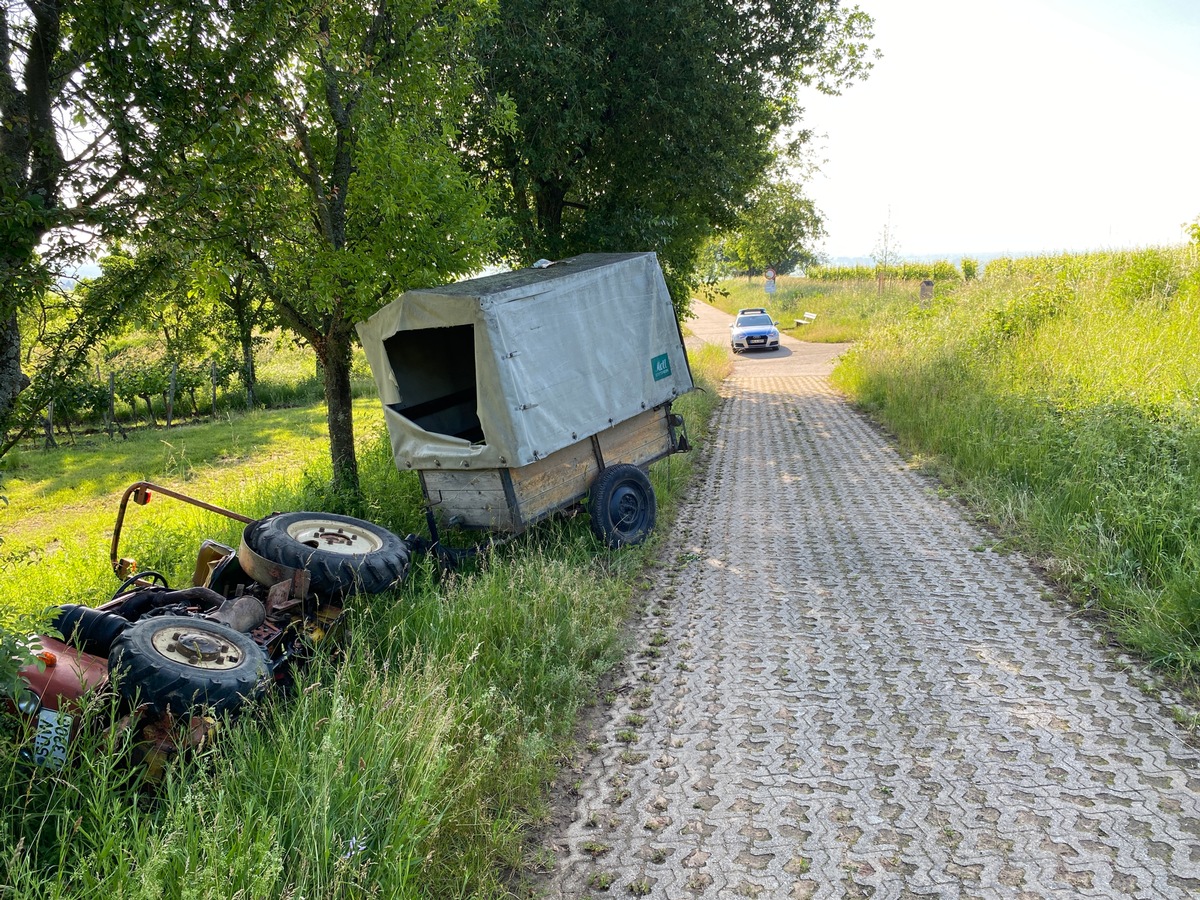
<point x="180" y="663"/>
<point x="340" y="553"/>
<point x="622" y="506"/>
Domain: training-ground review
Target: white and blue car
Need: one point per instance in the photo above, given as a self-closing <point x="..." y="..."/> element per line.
<point x="753" y="329"/>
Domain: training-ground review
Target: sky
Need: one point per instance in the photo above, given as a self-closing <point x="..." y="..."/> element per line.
<point x="1014" y="126"/>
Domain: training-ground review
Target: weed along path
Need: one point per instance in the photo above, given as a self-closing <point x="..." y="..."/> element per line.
<point x="840" y="690"/>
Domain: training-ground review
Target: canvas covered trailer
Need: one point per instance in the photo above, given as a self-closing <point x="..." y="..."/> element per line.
<point x="514" y="395"/>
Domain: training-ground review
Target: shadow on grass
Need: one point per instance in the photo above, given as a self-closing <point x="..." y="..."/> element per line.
<point x="44" y="479"/>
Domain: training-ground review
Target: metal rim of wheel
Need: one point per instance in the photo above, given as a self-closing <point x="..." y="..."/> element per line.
<point x="334" y="537"/>
<point x="196" y="647"/>
<point x="629" y="508"/>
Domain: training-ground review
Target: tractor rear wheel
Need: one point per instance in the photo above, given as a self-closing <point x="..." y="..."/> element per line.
<point x="340" y="553"/>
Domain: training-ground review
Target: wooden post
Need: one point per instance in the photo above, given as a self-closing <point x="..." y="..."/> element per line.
<point x="112" y="408"/>
<point x="213" y="371"/>
<point x="171" y="392"/>
<point x="926" y="292"/>
<point x="48" y="422"/>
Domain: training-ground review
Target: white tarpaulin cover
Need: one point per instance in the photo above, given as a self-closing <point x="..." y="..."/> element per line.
<point x="503" y="370"/>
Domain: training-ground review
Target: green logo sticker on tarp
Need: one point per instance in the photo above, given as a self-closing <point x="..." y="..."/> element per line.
<point x="661" y="366"/>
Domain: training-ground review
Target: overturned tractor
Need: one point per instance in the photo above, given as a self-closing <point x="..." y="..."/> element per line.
<point x="179" y="657"/>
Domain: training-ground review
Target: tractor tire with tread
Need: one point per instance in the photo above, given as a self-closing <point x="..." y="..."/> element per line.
<point x="341" y="554"/>
<point x="183" y="663"/>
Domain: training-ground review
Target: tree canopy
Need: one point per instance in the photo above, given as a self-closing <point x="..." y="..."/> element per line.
<point x="308" y="161"/>
<point x="341" y="185"/>
<point x="776" y="229"/>
<point x="646" y="126"/>
<point x="95" y="97"/>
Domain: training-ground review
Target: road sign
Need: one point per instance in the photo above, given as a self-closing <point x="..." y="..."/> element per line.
<point x="769" y="283"/>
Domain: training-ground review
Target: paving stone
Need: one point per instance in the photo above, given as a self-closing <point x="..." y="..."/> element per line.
<point x="870" y="702"/>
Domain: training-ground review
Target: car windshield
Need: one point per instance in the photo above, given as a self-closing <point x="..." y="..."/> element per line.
<point x="748" y="321"/>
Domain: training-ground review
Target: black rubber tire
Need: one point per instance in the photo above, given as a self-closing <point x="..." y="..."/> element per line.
<point x="382" y="564"/>
<point x="149" y="672"/>
<point x="622" y="506"/>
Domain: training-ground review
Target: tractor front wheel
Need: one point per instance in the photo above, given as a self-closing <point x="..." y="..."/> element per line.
<point x="180" y="664"/>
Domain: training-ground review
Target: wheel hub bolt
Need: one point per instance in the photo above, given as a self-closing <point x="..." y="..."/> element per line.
<point x="199" y="647"/>
<point x="336" y="537"/>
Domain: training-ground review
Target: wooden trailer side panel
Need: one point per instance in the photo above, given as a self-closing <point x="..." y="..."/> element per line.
<point x="555" y="482"/>
<point x="512" y="499"/>
<point x="473" y="499"/>
<point x="564" y="477"/>
<point x="638" y="440"/>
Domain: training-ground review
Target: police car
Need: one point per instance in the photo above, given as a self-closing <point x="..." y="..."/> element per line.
<point x="753" y="329"/>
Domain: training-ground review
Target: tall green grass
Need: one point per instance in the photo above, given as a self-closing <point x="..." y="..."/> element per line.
<point x="1063" y="395"/>
<point x="845" y="310"/>
<point x="56" y="525"/>
<point x="940" y="270"/>
<point x="410" y="763"/>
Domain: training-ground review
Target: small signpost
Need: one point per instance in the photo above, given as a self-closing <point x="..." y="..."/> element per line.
<point x="769" y="283"/>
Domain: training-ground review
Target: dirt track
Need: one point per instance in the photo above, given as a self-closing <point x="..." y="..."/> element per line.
<point x="841" y="690"/>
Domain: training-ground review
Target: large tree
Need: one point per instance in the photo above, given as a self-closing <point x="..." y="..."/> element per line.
<point x="645" y="126"/>
<point x="94" y="96"/>
<point x="342" y="185"/>
<point x="777" y="229"/>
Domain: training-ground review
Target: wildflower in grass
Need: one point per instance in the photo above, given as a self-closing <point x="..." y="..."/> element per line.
<point x="355" y="846"/>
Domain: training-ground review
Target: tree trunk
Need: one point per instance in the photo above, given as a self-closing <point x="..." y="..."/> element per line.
<point x="550" y="198"/>
<point x="334" y="354"/>
<point x="48" y="428"/>
<point x="248" y="375"/>
<point x="149" y="410"/>
<point x="241" y="299"/>
<point x="12" y="379"/>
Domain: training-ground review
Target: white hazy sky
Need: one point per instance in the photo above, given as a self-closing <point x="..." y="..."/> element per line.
<point x="1015" y="126"/>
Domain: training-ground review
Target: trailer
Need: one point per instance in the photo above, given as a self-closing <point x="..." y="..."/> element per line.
<point x="518" y="395"/>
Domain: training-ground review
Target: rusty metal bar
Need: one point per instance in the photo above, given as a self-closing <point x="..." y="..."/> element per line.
<point x="140" y="492"/>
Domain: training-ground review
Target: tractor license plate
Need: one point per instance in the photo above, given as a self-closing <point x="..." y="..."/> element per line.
<point x="53" y="735"/>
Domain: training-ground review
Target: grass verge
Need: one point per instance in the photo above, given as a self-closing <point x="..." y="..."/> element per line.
<point x="1060" y="396"/>
<point x="845" y="311"/>
<point x="408" y="765"/>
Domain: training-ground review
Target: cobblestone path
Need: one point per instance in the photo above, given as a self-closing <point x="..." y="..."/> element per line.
<point x="841" y="690"/>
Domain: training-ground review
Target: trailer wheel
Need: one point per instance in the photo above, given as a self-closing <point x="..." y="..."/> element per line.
<point x="622" y="506"/>
<point x="180" y="663"/>
<point x="341" y="554"/>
